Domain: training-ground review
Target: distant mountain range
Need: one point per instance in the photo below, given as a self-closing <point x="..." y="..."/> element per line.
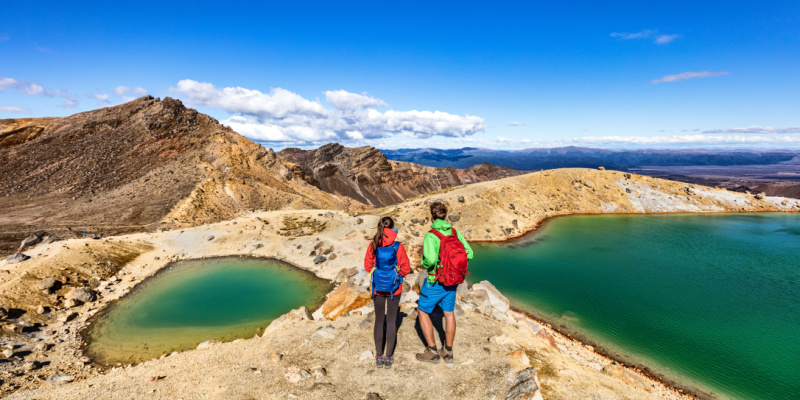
<point x="582" y="157"/>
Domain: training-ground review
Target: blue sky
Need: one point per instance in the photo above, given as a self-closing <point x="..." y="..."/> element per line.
<point x="498" y="75"/>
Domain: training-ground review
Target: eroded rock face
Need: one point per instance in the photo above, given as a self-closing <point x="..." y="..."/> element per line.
<point x="343" y="299"/>
<point x="526" y="386"/>
<point x="365" y="174"/>
<point x="135" y="164"/>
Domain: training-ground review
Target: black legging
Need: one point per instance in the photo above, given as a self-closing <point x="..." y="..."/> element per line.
<point x="386" y="311"/>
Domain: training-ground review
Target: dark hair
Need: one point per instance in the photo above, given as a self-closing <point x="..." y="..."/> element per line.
<point x="385" y="222"/>
<point x="438" y="210"/>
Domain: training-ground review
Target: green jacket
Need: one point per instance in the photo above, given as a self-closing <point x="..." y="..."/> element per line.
<point x="430" y="247"/>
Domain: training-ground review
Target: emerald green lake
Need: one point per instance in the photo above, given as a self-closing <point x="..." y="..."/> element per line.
<point x="710" y="301"/>
<point x="189" y="302"/>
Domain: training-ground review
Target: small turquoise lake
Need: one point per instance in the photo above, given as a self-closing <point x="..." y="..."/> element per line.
<point x="189" y="302"/>
<point x="709" y="300"/>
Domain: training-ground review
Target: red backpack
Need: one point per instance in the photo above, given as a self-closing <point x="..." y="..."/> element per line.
<point x="453" y="259"/>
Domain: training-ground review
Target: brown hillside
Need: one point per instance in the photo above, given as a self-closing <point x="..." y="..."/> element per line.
<point x="366" y="175"/>
<point x="135" y="166"/>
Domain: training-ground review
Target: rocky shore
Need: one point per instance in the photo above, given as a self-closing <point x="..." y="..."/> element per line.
<point x="49" y="297"/>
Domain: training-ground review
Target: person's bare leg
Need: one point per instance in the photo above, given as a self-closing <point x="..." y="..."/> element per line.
<point x="427" y="328"/>
<point x="450" y="328"/>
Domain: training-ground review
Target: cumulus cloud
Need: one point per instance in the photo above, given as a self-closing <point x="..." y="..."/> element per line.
<point x="755" y="129"/>
<point x="645" y="34"/>
<point x="15" y="109"/>
<point x="689" y="75"/>
<point x="347" y="101"/>
<point x="140" y="91"/>
<point x="284" y="116"/>
<point x="31" y="88"/>
<point x="101" y="98"/>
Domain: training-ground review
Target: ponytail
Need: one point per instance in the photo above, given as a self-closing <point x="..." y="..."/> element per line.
<point x="377" y="240"/>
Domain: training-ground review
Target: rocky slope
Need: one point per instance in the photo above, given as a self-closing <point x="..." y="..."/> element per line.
<point x="366" y="175"/>
<point x="44" y="348"/>
<point x="144" y="164"/>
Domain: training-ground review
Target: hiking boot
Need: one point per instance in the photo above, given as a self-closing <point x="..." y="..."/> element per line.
<point x="430" y="355"/>
<point x="387" y="362"/>
<point x="446" y="355"/>
<point x="379" y="361"/>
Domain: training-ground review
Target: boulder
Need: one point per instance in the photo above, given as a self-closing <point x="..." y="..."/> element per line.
<point x="30" y="241"/>
<point x="479" y="299"/>
<point x="82" y="293"/>
<point x="50" y="239"/>
<point x="3" y="312"/>
<point x="341" y="276"/>
<point x="454" y="217"/>
<point x="276" y="357"/>
<point x="511" y="207"/>
<point x="320" y="259"/>
<point x="58" y="380"/>
<point x="760" y="196"/>
<point x="47" y="284"/>
<point x="526" y="386"/>
<point x="497" y="300"/>
<point x="319" y="372"/>
<point x="17" y="257"/>
<point x="343" y="299"/>
<point x="601" y="168"/>
<point x="627" y="176"/>
<point x="588" y="184"/>
<point x="461" y="199"/>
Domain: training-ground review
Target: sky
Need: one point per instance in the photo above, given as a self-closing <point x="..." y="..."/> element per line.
<point x="502" y="75"/>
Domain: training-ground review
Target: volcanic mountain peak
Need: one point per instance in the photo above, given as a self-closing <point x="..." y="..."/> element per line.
<point x="131" y="166"/>
<point x="367" y="175"/>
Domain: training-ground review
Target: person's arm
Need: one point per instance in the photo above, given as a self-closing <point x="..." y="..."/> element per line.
<point x="430" y="255"/>
<point x="369" y="259"/>
<point x="466" y="245"/>
<point x="402" y="261"/>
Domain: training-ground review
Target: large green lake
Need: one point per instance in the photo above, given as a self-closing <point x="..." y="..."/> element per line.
<point x="712" y="301"/>
<point x="190" y="302"/>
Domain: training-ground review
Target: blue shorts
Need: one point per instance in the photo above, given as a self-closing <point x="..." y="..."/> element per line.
<point x="432" y="294"/>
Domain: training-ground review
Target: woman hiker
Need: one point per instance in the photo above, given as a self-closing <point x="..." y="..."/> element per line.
<point x="386" y="260"/>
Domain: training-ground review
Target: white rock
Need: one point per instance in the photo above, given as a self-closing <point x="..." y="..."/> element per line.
<point x="366" y="355"/>
<point x="207" y="344"/>
<point x="497" y="300"/>
<point x="326" y="332"/>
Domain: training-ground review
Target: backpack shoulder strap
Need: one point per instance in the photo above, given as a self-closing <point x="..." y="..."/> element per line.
<point x="454" y="233"/>
<point x="396" y="246"/>
<point x="438" y="234"/>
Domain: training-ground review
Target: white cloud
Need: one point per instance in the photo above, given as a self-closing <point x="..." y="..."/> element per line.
<point x="517" y="123"/>
<point x="345" y="100"/>
<point x="31" y="88"/>
<point x="646" y="34"/>
<point x="637" y="35"/>
<point x="101" y="98"/>
<point x="664" y="39"/>
<point x="283" y="116"/>
<point x="278" y="103"/>
<point x="755" y="129"/>
<point x="689" y="75"/>
<point x="69" y="104"/>
<point x="121" y="90"/>
<point x="14" y="109"/>
<point x="123" y="93"/>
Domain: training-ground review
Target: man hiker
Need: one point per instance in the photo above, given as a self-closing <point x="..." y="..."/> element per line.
<point x="445" y="253"/>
